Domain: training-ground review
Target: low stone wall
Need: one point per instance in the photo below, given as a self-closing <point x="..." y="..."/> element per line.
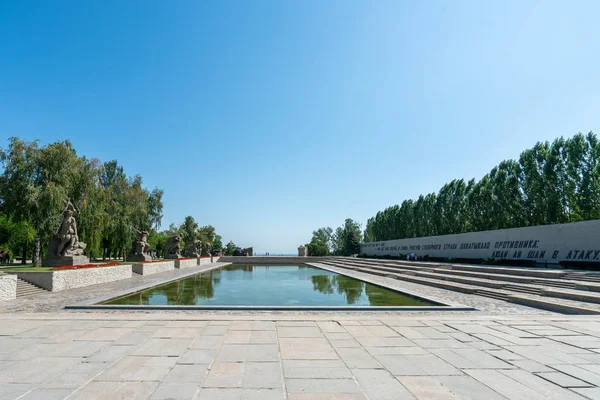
<point x="204" y="261"/>
<point x="153" y="267"/>
<point x="69" y="279"/>
<point x="8" y="287"/>
<point x="270" y="260"/>
<point x="574" y="242"/>
<point x="186" y="263"/>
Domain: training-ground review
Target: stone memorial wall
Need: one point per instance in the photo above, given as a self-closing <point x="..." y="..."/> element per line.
<point x="575" y="242"/>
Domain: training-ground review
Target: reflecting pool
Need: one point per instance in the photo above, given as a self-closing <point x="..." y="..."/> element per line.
<point x="270" y="285"/>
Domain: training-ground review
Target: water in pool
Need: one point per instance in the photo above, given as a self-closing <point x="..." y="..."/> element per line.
<point x="255" y="285"/>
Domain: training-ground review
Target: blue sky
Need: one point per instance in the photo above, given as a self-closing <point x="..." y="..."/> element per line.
<point x="269" y="119"/>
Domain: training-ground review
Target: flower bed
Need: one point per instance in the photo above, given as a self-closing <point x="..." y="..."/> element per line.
<point x="63" y="267"/>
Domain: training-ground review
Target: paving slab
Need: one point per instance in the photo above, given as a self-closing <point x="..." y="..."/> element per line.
<point x="10" y="391"/>
<point x="138" y="368"/>
<point x="467" y="388"/>
<point x="263" y="375"/>
<point x="315" y="369"/>
<point x="197" y="356"/>
<point x="306" y="349"/>
<point x="322" y="386"/>
<point x="590" y="393"/>
<point x="427" y="388"/>
<point x="262" y="394"/>
<point x="111" y="390"/>
<point x="187" y="373"/>
<point x="357" y="358"/>
<point x="381" y="385"/>
<point x="164" y="347"/>
<point x="48" y="394"/>
<point x="248" y="352"/>
<point x="176" y="391"/>
<point x="225" y="375"/>
<point x="504" y="385"/>
<point x="579" y="373"/>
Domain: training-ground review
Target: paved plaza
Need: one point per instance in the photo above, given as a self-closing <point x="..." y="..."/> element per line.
<point x="499" y="350"/>
<point x="182" y="356"/>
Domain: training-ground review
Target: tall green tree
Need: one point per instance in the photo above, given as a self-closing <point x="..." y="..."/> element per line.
<point x="550" y="183"/>
<point x="347" y="238"/>
<point x="217" y="243"/>
<point x="189" y="229"/>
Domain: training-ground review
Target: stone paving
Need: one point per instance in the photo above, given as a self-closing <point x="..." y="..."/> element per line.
<point x="501" y="351"/>
<point x="179" y="356"/>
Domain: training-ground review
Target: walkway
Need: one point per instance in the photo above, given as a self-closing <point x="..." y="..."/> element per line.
<point x="160" y="356"/>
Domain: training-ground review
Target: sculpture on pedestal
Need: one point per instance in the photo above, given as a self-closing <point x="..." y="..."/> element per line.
<point x="243" y="252"/>
<point x="64" y="247"/>
<point x="194" y="249"/>
<point x="173" y="247"/>
<point x="206" y="249"/>
<point x="141" y="248"/>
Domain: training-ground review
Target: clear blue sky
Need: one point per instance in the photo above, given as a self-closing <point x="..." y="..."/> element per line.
<point x="269" y="119"/>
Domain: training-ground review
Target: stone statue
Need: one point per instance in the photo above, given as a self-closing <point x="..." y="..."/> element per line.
<point x="141" y="248"/>
<point x="240" y="252"/>
<point x="64" y="247"/>
<point x="173" y="247"/>
<point x="194" y="249"/>
<point x="206" y="249"/>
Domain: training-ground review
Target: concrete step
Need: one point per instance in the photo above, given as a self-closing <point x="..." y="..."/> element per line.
<point x="547" y="282"/>
<point x="563" y="307"/>
<point x="523" y="289"/>
<point x="588" y="286"/>
<point x="527" y="296"/>
<point x="579" y="276"/>
<point x="577" y="296"/>
<point x="25" y="288"/>
<point x="491" y="294"/>
<point x="540" y="273"/>
<point x="492" y="280"/>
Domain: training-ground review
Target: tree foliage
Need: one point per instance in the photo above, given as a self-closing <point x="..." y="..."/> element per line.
<point x="344" y="241"/>
<point x="37" y="180"/>
<point x="550" y="183"/>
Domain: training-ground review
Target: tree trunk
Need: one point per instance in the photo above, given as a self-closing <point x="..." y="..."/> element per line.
<point x="24" y="255"/>
<point x="37" y="261"/>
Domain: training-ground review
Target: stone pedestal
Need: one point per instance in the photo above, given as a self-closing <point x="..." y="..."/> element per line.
<point x="54" y="261"/>
<point x="302" y="251"/>
<point x="139" y="257"/>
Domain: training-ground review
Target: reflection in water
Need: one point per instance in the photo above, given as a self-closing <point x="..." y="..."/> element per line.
<point x="351" y="288"/>
<point x="186" y="291"/>
<point x="270" y="285"/>
<point x="322" y="283"/>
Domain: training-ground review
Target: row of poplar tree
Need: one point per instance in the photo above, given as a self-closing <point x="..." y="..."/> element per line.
<point x="35" y="182"/>
<point x="550" y="183"/>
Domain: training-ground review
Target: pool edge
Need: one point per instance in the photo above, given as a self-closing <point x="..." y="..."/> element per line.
<point x="92" y="304"/>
